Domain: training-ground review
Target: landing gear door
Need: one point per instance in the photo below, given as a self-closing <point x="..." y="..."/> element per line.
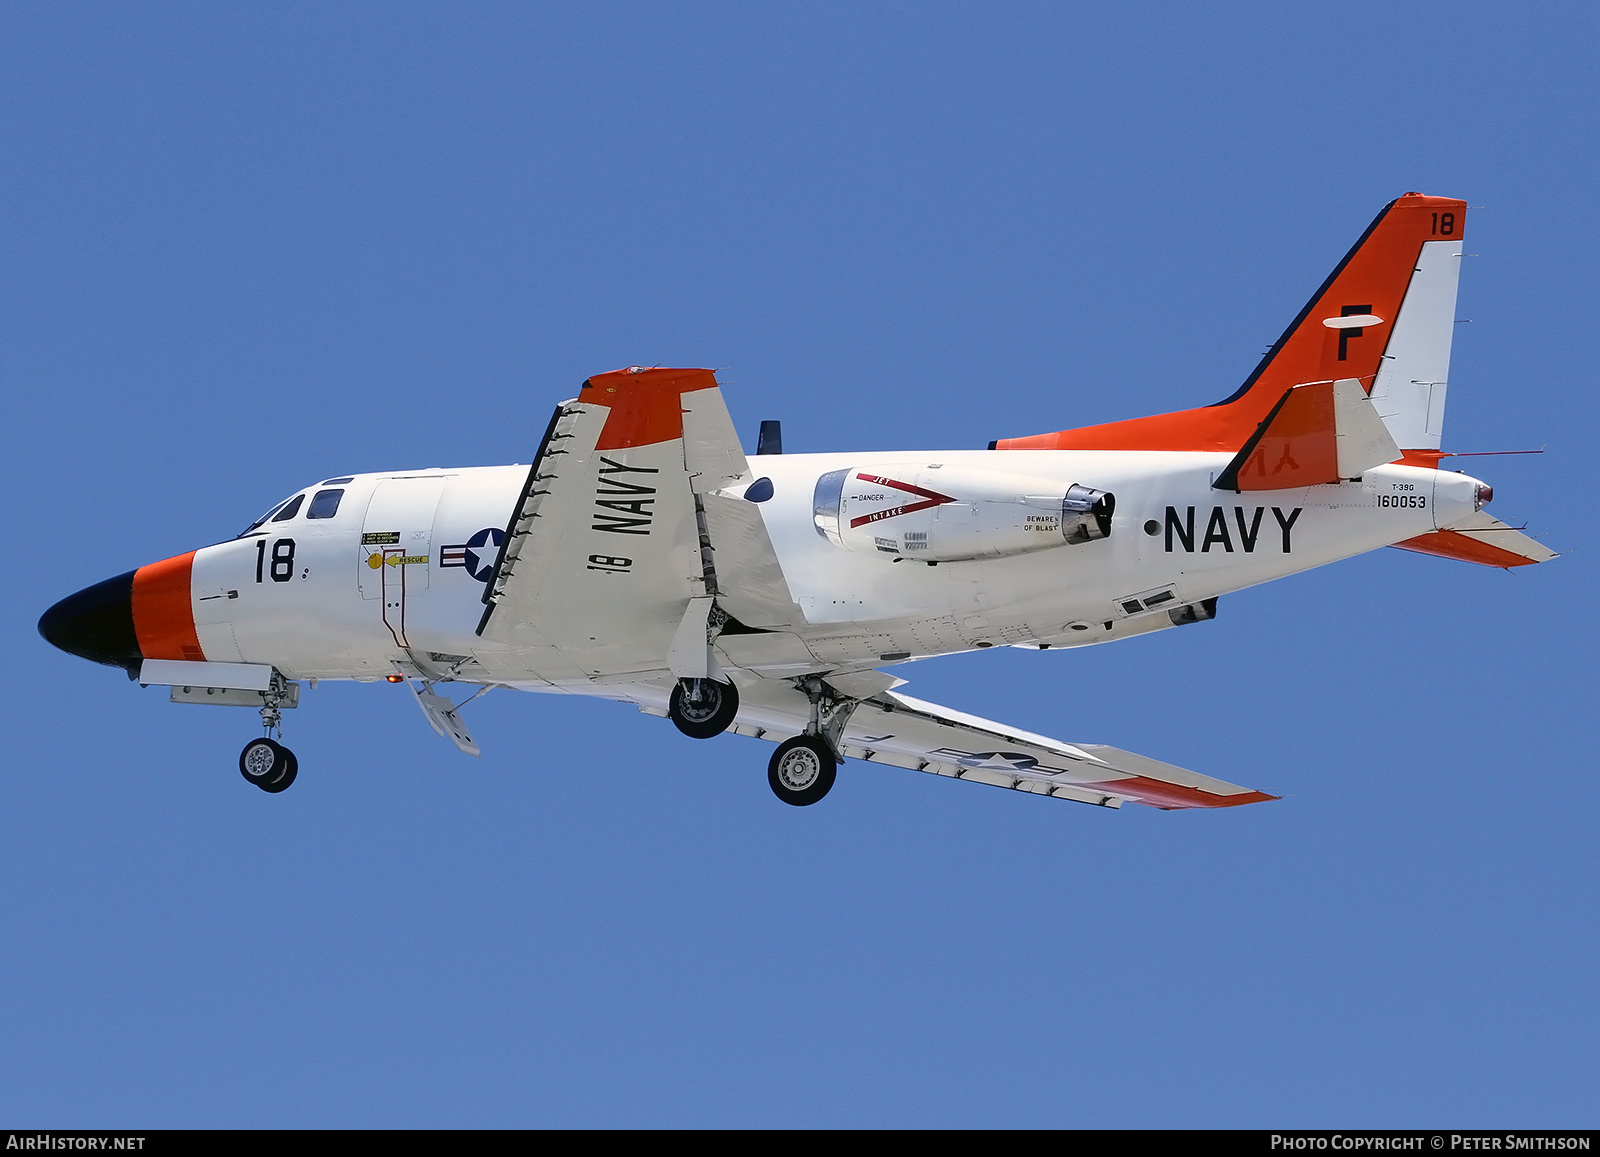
<point x="397" y="537"/>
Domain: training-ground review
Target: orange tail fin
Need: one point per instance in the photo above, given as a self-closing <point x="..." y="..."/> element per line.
<point x="1341" y="333"/>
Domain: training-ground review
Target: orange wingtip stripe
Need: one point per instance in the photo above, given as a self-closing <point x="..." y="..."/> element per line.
<point x="163" y="616"/>
<point x="1463" y="548"/>
<point x="1156" y="793"/>
<point x="643" y="402"/>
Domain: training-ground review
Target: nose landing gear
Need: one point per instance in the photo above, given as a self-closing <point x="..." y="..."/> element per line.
<point x="265" y="762"/>
<point x="268" y="764"/>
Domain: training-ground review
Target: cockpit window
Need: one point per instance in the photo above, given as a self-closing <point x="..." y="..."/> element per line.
<point x="334" y="482"/>
<point x="289" y="511"/>
<point x="325" y="504"/>
<point x="273" y="510"/>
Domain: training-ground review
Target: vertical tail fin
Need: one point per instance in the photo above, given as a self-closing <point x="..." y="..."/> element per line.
<point x="1389" y="303"/>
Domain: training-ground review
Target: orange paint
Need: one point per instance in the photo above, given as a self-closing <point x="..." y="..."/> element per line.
<point x="163" y="616"/>
<point x="1299" y="448"/>
<point x="1423" y="459"/>
<point x="1374" y="276"/>
<point x="644" y="404"/>
<point x="1463" y="548"/>
<point x="1171" y="795"/>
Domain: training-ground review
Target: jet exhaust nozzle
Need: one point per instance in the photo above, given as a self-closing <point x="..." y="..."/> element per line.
<point x="1086" y="514"/>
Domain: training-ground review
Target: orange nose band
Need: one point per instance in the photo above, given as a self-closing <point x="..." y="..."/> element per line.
<point x="163" y="616"/>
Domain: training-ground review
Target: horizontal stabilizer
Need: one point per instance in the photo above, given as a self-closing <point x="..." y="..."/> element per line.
<point x="1317" y="433"/>
<point x="1481" y="539"/>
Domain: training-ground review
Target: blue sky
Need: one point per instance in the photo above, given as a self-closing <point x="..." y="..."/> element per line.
<point x="249" y="247"/>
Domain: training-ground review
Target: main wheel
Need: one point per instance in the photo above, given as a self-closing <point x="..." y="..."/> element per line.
<point x="269" y="765"/>
<point x="802" y="770"/>
<point x="701" y="708"/>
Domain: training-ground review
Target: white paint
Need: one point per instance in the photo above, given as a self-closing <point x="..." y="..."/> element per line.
<point x="178" y="672"/>
<point x="1412" y="377"/>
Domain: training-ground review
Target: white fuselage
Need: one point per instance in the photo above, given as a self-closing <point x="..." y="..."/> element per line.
<point x="307" y="597"/>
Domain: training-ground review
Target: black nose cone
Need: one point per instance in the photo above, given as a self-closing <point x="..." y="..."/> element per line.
<point x="96" y="624"/>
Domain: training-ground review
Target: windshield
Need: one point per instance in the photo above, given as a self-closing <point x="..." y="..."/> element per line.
<point x="274" y="509"/>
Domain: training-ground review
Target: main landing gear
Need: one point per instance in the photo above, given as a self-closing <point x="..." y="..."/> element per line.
<point x="702" y="708"/>
<point x="265" y="762"/>
<point x="802" y="770"/>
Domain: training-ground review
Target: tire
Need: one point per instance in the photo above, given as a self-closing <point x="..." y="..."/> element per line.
<point x="264" y="763"/>
<point x="286" y="777"/>
<point x="802" y="770"/>
<point x="708" y="715"/>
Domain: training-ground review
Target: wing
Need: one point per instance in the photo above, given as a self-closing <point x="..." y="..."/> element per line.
<point x="601" y="556"/>
<point x="606" y="568"/>
<point x="887" y="727"/>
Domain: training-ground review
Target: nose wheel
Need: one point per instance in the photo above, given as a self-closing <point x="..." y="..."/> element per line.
<point x="268" y="764"/>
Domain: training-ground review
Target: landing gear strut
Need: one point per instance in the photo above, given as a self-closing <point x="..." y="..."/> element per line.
<point x="803" y="768"/>
<point x="265" y="762"/>
<point x="702" y="708"/>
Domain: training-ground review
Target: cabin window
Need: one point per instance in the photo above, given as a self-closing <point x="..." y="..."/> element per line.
<point x="325" y="504"/>
<point x="290" y="510"/>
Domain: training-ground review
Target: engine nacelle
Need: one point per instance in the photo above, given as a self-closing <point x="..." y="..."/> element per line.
<point x="938" y="513"/>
